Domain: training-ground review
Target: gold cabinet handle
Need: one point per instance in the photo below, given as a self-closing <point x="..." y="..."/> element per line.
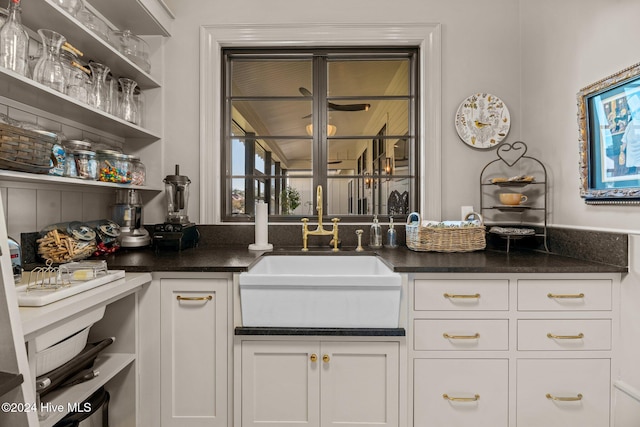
<point x="560" y="296"/>
<point x="565" y="337"/>
<point x="313" y="357"/>
<point x="326" y="358"/>
<point x="564" y="399"/>
<point x="207" y="298"/>
<point x="461" y="399"/>
<point x="461" y="296"/>
<point x="461" y="337"/>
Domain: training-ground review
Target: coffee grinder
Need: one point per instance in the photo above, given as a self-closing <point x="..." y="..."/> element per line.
<point x="177" y="232"/>
<point x="127" y="213"/>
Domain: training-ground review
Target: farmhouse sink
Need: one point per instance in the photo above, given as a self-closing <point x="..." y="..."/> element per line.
<point x="329" y="291"/>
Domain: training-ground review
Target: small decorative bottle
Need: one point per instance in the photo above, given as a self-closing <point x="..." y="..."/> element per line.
<point x="375" y="235"/>
<point x="392" y="241"/>
<point x="14" y="42"/>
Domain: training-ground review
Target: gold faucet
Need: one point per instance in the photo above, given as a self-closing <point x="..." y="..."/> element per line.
<point x="319" y="231"/>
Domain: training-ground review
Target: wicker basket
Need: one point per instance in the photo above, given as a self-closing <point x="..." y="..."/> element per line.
<point x="445" y="239"/>
<point x="25" y="151"/>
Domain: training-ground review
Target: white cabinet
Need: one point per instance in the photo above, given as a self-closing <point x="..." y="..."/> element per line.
<point x="193" y="346"/>
<point x="563" y="393"/>
<point x="319" y="383"/>
<point x="117" y="364"/>
<point x="461" y="392"/>
<point x="513" y="350"/>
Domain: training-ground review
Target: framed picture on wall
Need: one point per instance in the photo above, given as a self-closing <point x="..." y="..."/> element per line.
<point x="609" y="139"/>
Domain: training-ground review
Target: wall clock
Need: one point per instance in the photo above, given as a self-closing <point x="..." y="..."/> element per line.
<point x="482" y="121"/>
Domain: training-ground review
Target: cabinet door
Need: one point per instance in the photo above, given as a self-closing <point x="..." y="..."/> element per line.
<point x="280" y="383"/>
<point x="193" y="384"/>
<point x="563" y="393"/>
<point x="359" y="384"/>
<point x="461" y="392"/>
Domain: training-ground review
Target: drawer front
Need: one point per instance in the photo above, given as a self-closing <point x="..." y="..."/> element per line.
<point x="564" y="334"/>
<point x="461" y="392"/>
<point x="564" y="295"/>
<point x="463" y="295"/>
<point x="467" y="334"/>
<point x="563" y="392"/>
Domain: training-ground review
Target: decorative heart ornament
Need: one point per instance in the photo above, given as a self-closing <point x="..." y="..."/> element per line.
<point x="511" y="153"/>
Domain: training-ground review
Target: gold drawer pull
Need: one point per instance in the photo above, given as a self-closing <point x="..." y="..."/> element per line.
<point x="453" y="296"/>
<point x="207" y="298"/>
<point x="461" y="337"/>
<point x="313" y="357"/>
<point x="559" y="296"/>
<point x="326" y="358"/>
<point x="565" y="337"/>
<point x="564" y="399"/>
<point x="461" y="399"/>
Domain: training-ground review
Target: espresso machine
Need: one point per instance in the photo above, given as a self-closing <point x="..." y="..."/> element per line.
<point x="177" y="232"/>
<point x="127" y="213"/>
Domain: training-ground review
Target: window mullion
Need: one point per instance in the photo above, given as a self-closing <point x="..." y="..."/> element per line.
<point x="320" y="128"/>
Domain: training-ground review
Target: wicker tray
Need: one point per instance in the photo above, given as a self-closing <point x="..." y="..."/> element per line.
<point x="445" y="239"/>
<point x="25" y="151"/>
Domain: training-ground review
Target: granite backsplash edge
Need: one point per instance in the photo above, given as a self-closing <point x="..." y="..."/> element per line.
<point x="597" y="246"/>
<point x="589" y="245"/>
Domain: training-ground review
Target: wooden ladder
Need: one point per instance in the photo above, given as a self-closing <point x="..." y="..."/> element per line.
<point x="17" y="391"/>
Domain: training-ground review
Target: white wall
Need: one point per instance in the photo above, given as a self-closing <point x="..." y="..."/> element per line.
<point x="568" y="45"/>
<point x="480" y="52"/>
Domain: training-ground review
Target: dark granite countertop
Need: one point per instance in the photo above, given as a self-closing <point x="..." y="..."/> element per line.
<point x="239" y="258"/>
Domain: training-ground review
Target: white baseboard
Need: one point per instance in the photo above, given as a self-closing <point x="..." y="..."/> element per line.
<point x="628" y="390"/>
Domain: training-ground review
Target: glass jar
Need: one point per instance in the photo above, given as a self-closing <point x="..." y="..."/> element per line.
<point x="113" y="167"/>
<point x="70" y="147"/>
<point x="95" y="24"/>
<point x="133" y="47"/>
<point x="60" y="155"/>
<point x="71" y="6"/>
<point x="138" y="171"/>
<point x="86" y="164"/>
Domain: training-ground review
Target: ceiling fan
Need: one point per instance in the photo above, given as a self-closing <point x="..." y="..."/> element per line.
<point x="338" y="107"/>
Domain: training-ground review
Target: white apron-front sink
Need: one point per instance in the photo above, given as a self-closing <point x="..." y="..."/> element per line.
<point x="332" y="291"/>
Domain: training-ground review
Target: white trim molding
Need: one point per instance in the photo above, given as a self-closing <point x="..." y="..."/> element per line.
<point x="425" y="36"/>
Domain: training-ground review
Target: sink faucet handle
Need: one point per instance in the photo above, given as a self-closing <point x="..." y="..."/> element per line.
<point x="335" y="220"/>
<point x="359" y="234"/>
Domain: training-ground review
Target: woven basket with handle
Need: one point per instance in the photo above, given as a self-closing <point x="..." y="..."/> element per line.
<point x="467" y="238"/>
<point x="26" y="151"/>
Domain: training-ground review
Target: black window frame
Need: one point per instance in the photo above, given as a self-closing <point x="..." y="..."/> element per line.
<point x="320" y="140"/>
